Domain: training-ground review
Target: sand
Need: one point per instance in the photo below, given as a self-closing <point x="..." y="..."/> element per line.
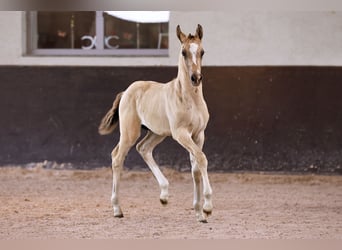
<point x="39" y="203"/>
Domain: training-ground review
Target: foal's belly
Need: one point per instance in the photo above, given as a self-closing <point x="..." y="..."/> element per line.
<point x="156" y="125"/>
<point x="153" y="116"/>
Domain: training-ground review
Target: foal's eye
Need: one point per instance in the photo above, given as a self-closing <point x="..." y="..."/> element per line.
<point x="184" y="53"/>
<point x="202" y="53"/>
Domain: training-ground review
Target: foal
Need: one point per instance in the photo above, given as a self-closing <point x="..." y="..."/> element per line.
<point x="175" y="109"/>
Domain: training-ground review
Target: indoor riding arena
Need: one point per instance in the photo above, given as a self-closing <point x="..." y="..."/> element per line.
<point x="272" y="84"/>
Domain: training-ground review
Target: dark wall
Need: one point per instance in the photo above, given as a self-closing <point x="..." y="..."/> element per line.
<point x="262" y="118"/>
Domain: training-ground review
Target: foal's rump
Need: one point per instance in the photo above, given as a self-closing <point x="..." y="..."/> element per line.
<point x="142" y="104"/>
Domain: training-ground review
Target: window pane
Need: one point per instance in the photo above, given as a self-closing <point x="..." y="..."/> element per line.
<point x="65" y="30"/>
<point x="138" y="30"/>
<point x="98" y="33"/>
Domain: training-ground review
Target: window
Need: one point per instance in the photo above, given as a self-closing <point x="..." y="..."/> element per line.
<point x="118" y="33"/>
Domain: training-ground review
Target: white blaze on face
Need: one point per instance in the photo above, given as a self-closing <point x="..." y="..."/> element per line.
<point x="193" y="51"/>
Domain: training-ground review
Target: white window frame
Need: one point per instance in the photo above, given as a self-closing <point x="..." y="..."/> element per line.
<point x="99" y="50"/>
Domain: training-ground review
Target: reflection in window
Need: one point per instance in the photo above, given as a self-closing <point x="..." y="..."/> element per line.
<point x="63" y="30"/>
<point x="136" y="29"/>
<point x="99" y="33"/>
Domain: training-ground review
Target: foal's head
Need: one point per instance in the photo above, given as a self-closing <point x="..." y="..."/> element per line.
<point x="192" y="53"/>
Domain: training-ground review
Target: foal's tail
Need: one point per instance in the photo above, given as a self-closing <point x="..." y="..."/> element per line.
<point x="110" y="120"/>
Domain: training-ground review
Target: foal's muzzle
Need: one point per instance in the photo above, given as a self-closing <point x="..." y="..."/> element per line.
<point x="196" y="79"/>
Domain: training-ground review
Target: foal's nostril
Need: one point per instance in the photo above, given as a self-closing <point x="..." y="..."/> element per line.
<point x="193" y="78"/>
<point x="196" y="79"/>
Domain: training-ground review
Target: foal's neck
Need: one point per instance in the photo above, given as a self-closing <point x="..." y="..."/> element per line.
<point x="184" y="85"/>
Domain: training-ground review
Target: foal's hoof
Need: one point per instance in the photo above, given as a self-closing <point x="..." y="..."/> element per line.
<point x="163" y="201"/>
<point x="118" y="213"/>
<point x="202" y="217"/>
<point x="207" y="213"/>
<point x="203" y="220"/>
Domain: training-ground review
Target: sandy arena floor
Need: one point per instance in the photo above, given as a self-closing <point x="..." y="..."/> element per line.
<point x="38" y="203"/>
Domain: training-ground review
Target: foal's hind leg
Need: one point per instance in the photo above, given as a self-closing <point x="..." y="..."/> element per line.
<point x="117" y="162"/>
<point x="145" y="148"/>
<point x="127" y="139"/>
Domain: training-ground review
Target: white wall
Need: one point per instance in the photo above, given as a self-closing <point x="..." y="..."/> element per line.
<point x="11" y="42"/>
<point x="230" y="38"/>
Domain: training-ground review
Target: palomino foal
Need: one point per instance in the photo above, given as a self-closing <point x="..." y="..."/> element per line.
<point x="175" y="109"/>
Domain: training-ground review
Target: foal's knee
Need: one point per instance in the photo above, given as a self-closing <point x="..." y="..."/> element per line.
<point x="196" y="174"/>
<point x="201" y="160"/>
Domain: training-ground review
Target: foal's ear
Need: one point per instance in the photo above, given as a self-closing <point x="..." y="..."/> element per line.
<point x="199" y="32"/>
<point x="180" y="34"/>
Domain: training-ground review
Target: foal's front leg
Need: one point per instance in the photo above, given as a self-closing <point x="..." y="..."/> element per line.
<point x="197" y="172"/>
<point x="196" y="176"/>
<point x="200" y="164"/>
